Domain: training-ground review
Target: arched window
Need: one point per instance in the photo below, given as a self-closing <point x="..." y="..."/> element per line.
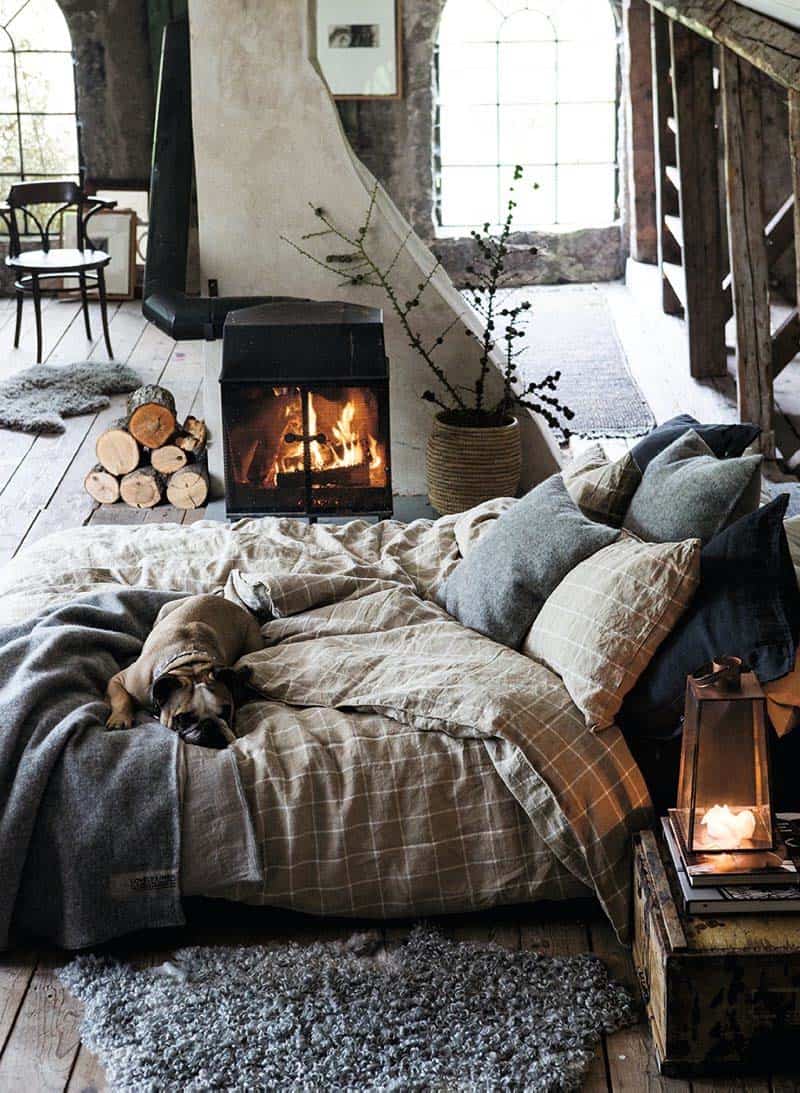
<point x="38" y="129"/>
<point x="531" y="82"/>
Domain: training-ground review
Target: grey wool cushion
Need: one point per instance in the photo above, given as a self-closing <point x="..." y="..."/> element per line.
<point x="501" y="586"/>
<point x="686" y="492"/>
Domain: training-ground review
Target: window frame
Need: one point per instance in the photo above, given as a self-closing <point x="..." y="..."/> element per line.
<point x="449" y="230"/>
<point x="28" y="176"/>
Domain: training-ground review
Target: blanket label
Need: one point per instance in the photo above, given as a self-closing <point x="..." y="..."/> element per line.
<point x="134" y="885"/>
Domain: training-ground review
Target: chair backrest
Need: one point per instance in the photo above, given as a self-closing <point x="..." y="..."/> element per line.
<point x="63" y="193"/>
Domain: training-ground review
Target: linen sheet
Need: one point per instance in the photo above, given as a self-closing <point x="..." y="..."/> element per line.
<point x="361" y="665"/>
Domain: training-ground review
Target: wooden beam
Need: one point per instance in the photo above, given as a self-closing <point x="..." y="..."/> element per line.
<point x="771" y="46"/>
<point x="640" y="133"/>
<point x="694" y="100"/>
<point x="741" y="112"/>
<point x="664" y="148"/>
<point x="785" y="343"/>
<point x="794" y="150"/>
<point x="779" y="236"/>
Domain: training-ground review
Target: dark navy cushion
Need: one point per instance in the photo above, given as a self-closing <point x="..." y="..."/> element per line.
<point x="747" y="605"/>
<point x="723" y="440"/>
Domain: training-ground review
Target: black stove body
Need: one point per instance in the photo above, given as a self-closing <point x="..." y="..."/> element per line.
<point x="305" y="411"/>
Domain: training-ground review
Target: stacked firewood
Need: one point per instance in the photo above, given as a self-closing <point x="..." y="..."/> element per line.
<point x="147" y="457"/>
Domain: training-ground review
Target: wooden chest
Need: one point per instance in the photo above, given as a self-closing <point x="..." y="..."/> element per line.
<point x="722" y="994"/>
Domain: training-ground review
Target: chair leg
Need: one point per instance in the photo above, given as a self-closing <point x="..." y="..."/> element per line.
<point x="101" y="288"/>
<point x="37" y="308"/>
<point x="18" y="327"/>
<point x="85" y="305"/>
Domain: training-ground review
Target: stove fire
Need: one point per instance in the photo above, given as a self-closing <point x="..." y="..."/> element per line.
<point x="318" y="446"/>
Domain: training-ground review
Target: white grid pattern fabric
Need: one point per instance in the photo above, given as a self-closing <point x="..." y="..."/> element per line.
<point x="362" y="664"/>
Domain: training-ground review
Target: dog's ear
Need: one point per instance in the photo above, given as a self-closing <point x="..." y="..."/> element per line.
<point x="163" y="688"/>
<point x="237" y="680"/>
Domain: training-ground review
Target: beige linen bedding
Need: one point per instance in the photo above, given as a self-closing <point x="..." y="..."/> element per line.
<point x="398" y="762"/>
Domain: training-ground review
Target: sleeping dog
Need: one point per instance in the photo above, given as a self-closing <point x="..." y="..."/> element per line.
<point x="184" y="671"/>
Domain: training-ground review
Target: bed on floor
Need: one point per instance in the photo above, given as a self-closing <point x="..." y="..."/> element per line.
<point x="394" y="763"/>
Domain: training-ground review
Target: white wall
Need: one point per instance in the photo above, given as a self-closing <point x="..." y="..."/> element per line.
<point x="267" y="143"/>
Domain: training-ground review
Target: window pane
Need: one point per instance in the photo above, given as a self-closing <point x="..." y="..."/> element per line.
<point x="527" y="134"/>
<point x="40" y="24"/>
<point x="50" y="145"/>
<point x="528" y="72"/>
<point x="8" y="99"/>
<point x="469" y="21"/>
<point x="469" y="195"/>
<point x="587" y="71"/>
<point x="46" y="83"/>
<point x="9" y="146"/>
<point x="527" y="26"/>
<point x="535" y="206"/>
<point x="468" y="134"/>
<point x="586" y="20"/>
<point x="586" y="134"/>
<point x="467" y="74"/>
<point x="586" y="196"/>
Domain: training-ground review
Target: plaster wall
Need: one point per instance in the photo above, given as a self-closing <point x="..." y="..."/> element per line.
<point x="269" y="144"/>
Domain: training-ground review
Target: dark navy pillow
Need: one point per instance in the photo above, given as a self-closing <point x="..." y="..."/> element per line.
<point x="747" y="605"/>
<point x="723" y="440"/>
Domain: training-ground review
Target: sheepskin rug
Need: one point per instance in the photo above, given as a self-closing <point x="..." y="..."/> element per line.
<point x="38" y="399"/>
<point x="427" y="1013"/>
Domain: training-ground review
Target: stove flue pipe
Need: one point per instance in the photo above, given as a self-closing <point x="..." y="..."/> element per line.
<point x="165" y="300"/>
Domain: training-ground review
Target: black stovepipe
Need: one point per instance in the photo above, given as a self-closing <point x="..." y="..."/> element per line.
<point x="165" y="301"/>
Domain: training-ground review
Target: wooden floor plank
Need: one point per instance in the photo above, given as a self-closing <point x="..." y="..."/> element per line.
<point x="631" y="1061"/>
<point x="16" y="972"/>
<point x="39" y="1054"/>
<point x="88" y="1075"/>
<point x="70" y="505"/>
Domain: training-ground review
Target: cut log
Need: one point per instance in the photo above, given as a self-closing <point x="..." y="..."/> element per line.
<point x="168" y="459"/>
<point x="117" y="450"/>
<point x="142" y="488"/>
<point x="193" y="436"/>
<point x="102" y="485"/>
<point x="151" y="415"/>
<point x="188" y="488"/>
<point x="355" y="475"/>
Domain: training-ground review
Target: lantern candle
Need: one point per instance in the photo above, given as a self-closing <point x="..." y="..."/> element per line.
<point x="729" y="828"/>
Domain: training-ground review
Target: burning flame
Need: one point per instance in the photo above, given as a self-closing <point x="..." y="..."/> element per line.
<point x="347" y="446"/>
<point x="727" y="828"/>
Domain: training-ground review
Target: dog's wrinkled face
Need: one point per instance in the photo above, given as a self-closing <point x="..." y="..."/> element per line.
<point x="197" y="704"/>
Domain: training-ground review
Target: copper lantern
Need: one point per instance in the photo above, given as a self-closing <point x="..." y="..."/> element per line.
<point x="724" y="800"/>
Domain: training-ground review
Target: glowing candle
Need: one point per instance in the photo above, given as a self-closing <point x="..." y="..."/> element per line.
<point x="729" y="828"/>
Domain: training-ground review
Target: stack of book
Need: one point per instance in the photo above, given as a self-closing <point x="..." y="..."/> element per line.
<point x="751" y="883"/>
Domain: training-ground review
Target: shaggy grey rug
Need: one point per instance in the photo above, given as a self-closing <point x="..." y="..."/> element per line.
<point x="38" y="399"/>
<point x="429" y="1014"/>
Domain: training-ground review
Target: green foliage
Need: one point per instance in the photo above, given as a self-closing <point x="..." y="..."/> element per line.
<point x="488" y="275"/>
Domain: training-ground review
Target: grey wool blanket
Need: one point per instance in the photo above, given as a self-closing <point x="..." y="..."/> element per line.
<point x="89" y="819"/>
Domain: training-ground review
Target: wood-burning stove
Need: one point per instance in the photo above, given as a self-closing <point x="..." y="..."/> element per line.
<point x="305" y="411"/>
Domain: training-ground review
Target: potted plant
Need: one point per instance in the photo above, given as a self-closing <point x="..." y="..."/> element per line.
<point x="474" y="450"/>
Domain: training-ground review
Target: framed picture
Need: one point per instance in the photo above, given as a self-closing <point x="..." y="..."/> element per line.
<point x="358" y="48"/>
<point x="114" y="232"/>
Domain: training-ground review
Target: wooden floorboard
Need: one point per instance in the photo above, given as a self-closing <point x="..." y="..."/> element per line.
<point x="41" y="493"/>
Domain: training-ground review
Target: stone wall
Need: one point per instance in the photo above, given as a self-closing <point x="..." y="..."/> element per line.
<point x="114" y="83"/>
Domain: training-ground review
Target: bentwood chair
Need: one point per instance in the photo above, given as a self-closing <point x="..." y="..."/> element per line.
<point x="32" y="267"/>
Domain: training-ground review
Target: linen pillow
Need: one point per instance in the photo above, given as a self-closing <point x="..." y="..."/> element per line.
<point x="500" y="587"/>
<point x="723" y="440"/>
<point x="602" y="490"/>
<point x="686" y="492"/>
<point x="601" y="626"/>
<point x="748" y="605"/>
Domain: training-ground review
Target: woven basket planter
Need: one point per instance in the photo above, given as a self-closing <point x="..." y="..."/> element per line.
<point x="469" y="465"/>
